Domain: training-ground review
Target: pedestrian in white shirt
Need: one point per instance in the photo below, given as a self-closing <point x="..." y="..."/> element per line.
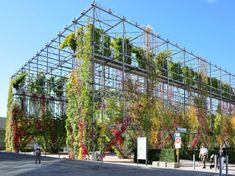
<point x="203" y="155"/>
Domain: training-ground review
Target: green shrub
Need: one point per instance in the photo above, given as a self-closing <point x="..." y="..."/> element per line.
<point x="153" y="155"/>
<point x="27" y="150"/>
<point x="231" y="155"/>
<point x="188" y="154"/>
<point x="2" y="139"/>
<point x="168" y="155"/>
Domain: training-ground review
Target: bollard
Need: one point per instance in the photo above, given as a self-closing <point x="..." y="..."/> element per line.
<point x="215" y="162"/>
<point x="226" y="165"/>
<point x="194" y="161"/>
<point x="220" y="168"/>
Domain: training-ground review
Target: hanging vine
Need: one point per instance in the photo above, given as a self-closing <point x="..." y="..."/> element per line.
<point x="140" y="57"/>
<point x="19" y="81"/>
<point x="79" y="107"/>
<point x="117" y="45"/>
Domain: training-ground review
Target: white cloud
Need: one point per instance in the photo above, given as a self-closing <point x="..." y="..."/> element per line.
<point x="212" y="1"/>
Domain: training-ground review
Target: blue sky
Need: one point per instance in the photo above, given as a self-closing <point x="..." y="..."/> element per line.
<point x="206" y="27"/>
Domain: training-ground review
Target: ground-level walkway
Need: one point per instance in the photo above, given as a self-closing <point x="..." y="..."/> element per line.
<point x="23" y="165"/>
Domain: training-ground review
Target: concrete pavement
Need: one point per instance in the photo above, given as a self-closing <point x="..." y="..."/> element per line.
<point x="23" y="165"/>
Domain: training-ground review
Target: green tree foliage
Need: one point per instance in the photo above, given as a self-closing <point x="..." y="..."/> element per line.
<point x="223" y="129"/>
<point x="49" y="132"/>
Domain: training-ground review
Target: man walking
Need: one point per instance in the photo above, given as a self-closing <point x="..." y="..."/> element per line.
<point x="222" y="155"/>
<point x="37" y="150"/>
<point x="203" y="155"/>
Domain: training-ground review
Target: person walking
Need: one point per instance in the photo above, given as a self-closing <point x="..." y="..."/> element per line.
<point x="221" y="155"/>
<point x="203" y="154"/>
<point x="37" y="151"/>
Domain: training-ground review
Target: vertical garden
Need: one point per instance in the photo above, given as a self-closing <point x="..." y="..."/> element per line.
<point x="104" y="81"/>
<point x="30" y="117"/>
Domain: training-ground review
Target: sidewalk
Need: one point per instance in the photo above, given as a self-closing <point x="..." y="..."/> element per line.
<point x="188" y="165"/>
<point x="185" y="165"/>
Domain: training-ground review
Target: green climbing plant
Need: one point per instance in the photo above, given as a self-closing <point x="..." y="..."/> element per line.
<point x="38" y="84"/>
<point x="59" y="86"/>
<point x="9" y="121"/>
<point x="161" y="61"/>
<point x="78" y="92"/>
<point x="175" y="71"/>
<point x="117" y="45"/>
<point x="140" y="56"/>
<point x="69" y="41"/>
<point x="188" y="75"/>
<point x="19" y="81"/>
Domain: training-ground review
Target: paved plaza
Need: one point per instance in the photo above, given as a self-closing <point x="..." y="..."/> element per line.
<point x="23" y="165"/>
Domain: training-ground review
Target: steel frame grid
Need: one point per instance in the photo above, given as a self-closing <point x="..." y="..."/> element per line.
<point x="60" y="62"/>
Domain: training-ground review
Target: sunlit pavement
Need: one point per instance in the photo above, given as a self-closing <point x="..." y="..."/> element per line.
<point x="23" y="165"/>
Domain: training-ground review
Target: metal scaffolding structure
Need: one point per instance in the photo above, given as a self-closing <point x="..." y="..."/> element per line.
<point x="110" y="74"/>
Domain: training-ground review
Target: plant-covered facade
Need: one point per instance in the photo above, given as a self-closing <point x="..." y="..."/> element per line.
<point x="103" y="81"/>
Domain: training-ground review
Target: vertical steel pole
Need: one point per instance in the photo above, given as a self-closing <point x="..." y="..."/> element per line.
<point x="220" y="89"/>
<point x="123" y="66"/>
<point x="210" y="100"/>
<point x="167" y="48"/>
<point x="184" y="87"/>
<point x="93" y="86"/>
<point x="193" y="161"/>
<point x="227" y="165"/>
<point x="59" y="54"/>
<point x="230" y="99"/>
<point x="29" y="103"/>
<point x="198" y="81"/>
<point x="220" y="164"/>
<point x="215" y="163"/>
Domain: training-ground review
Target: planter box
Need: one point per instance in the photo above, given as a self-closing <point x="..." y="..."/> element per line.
<point x="155" y="163"/>
<point x="165" y="164"/>
<point x="173" y="165"/>
<point x="162" y="164"/>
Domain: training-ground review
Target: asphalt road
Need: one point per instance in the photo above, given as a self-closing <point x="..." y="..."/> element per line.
<point x="23" y="165"/>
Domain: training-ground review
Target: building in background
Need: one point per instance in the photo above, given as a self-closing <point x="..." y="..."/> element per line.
<point x="2" y="132"/>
